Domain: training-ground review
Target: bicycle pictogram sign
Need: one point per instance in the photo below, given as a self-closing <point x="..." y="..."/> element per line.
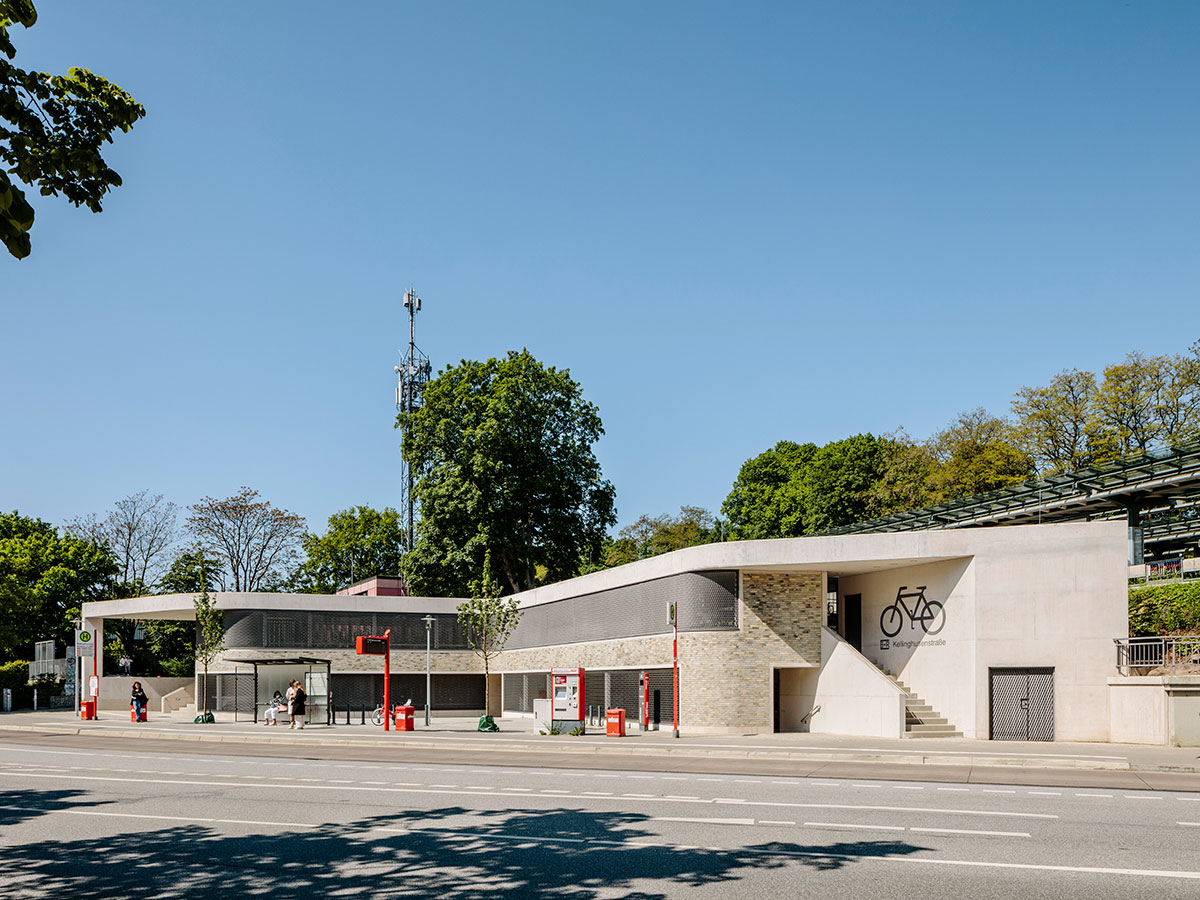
<point x="930" y="613"/>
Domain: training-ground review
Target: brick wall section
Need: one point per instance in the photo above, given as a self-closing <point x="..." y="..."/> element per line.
<point x="725" y="677"/>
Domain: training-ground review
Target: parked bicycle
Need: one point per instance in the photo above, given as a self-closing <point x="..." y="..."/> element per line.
<point x="930" y="613"/>
<point x="377" y="717"/>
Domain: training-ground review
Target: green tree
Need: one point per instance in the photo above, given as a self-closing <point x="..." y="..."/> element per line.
<point x="1127" y="405"/>
<point x="502" y="456"/>
<point x="210" y="639"/>
<point x="837" y="485"/>
<point x="44" y="579"/>
<point x="487" y="620"/>
<point x="977" y="453"/>
<point x="654" y="535"/>
<point x="51" y="130"/>
<point x="1056" y="424"/>
<point x="190" y="572"/>
<point x="904" y="480"/>
<point x="767" y="499"/>
<point x="360" y="542"/>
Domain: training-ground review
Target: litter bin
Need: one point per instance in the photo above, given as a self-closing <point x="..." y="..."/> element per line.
<point x="404" y="718"/>
<point x="134" y="717"/>
<point x="88" y="707"/>
<point x="615" y="720"/>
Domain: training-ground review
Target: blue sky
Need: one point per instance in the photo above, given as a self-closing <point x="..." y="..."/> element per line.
<point x="734" y="223"/>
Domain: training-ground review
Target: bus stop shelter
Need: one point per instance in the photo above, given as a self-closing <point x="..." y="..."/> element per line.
<point x="272" y="674"/>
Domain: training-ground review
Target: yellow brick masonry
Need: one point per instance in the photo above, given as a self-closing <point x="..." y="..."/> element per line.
<point x="725" y="677"/>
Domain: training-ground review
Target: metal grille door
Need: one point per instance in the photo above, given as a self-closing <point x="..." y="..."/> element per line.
<point x="1022" y="704"/>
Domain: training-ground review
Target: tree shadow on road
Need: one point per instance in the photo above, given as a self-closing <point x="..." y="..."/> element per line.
<point x="452" y="852"/>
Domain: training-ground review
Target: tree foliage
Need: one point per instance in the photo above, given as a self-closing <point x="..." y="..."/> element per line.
<point x="766" y="500"/>
<point x="44" y="579"/>
<point x="139" y="531"/>
<point x="975" y="454"/>
<point x="502" y="456"/>
<point x="1056" y="424"/>
<point x="360" y="542"/>
<point x="1164" y="609"/>
<point x="256" y="543"/>
<point x="210" y="635"/>
<point x="190" y="571"/>
<point x="837" y="485"/>
<point x="654" y="535"/>
<point x="51" y="130"/>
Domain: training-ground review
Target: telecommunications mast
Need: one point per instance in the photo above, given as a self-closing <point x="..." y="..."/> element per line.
<point x="413" y="372"/>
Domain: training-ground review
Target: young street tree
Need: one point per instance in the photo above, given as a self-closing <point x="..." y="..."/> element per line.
<point x="210" y="640"/>
<point x="51" y="131"/>
<point x="502" y="455"/>
<point x="139" y="531"/>
<point x="487" y="620"/>
<point x="256" y="543"/>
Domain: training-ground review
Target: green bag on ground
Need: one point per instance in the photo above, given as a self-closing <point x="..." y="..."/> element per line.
<point x="487" y="723"/>
<point x="204" y="719"/>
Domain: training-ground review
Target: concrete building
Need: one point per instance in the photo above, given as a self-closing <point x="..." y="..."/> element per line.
<point x="988" y="632"/>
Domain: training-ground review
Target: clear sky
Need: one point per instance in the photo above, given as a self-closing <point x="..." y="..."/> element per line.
<point x="735" y="223"/>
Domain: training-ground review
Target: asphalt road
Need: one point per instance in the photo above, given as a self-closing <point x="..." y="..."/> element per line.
<point x="169" y="822"/>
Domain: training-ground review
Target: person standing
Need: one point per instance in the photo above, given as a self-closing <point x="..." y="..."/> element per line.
<point x="138" y="700"/>
<point x="298" y="701"/>
<point x="291" y="696"/>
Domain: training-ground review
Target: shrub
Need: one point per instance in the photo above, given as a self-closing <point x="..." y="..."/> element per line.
<point x="1164" y="609"/>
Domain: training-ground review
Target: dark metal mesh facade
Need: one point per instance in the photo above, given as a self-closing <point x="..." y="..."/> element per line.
<point x="1022" y="704"/>
<point x="707" y="601"/>
<point x="303" y="630"/>
<point x="449" y="691"/>
<point x="602" y="689"/>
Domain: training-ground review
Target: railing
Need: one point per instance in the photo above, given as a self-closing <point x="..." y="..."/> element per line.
<point x="1168" y="655"/>
<point x="59" y="668"/>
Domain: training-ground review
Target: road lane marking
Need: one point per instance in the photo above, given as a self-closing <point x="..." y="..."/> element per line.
<point x="908" y="787"/>
<point x="953" y="789"/>
<point x="969" y="831"/>
<point x="854" y="827"/>
<point x="1044" y="793"/>
<point x="857" y="784"/>
<point x="775" y="822"/>
<point x="701" y="820"/>
<point x="997" y="791"/>
<point x="682" y="797"/>
<point x="1192" y="824"/>
<point x="597" y="793"/>
<point x="124" y="815"/>
<point x="1140" y="797"/>
<point x="1095" y="796"/>
<point x="509" y="792"/>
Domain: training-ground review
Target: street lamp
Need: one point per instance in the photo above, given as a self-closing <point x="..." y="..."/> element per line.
<point x="428" y="620"/>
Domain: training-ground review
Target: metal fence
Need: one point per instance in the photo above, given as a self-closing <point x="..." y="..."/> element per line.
<point x="1167" y="655"/>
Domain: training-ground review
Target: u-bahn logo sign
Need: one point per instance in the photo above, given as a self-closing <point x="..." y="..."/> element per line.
<point x="930" y="614"/>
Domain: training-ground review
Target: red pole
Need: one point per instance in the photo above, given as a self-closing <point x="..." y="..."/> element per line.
<point x="387" y="681"/>
<point x="675" y="673"/>
<point x="96" y="700"/>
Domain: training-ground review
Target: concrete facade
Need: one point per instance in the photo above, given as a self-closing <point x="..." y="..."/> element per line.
<point x="1049" y="597"/>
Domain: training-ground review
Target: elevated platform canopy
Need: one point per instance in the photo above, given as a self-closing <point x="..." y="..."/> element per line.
<point x="1158" y="491"/>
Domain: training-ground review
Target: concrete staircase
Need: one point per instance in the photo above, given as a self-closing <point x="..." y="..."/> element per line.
<point x="920" y="719"/>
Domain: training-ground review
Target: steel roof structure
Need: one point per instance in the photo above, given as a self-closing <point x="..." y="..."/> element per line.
<point x="1159" y="491"/>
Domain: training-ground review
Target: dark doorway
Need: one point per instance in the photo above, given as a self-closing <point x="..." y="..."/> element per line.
<point x="1022" y="704"/>
<point x="775" y="695"/>
<point x="853" y="614"/>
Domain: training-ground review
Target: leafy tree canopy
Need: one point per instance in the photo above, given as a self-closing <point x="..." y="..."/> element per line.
<point x="836" y="487"/>
<point x="502" y="457"/>
<point x="44" y="579"/>
<point x="977" y="453"/>
<point x="359" y="543"/>
<point x="51" y="130"/>
<point x="653" y="535"/>
<point x="190" y="572"/>
<point x="766" y="499"/>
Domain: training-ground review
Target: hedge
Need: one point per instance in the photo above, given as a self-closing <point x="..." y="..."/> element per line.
<point x="1165" y="609"/>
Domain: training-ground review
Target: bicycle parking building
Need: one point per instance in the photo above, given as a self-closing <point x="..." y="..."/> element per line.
<point x="834" y="634"/>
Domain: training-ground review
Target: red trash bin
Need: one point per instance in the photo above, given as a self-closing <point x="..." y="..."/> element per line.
<point x="404" y="718"/>
<point x="88" y="708"/>
<point x="615" y="720"/>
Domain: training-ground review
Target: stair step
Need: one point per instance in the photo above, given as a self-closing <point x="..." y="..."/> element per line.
<point x="928" y="720"/>
<point x="943" y="730"/>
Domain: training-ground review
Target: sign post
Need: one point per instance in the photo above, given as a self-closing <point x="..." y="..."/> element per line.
<point x="673" y="615"/>
<point x="380" y="646"/>
<point x="85" y="646"/>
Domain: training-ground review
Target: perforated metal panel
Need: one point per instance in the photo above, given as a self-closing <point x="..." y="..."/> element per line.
<point x="1022" y="704"/>
<point x="603" y="689"/>
<point x="706" y="601"/>
<point x="303" y="630"/>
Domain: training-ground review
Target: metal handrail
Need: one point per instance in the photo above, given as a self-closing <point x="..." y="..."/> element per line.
<point x="1169" y="654"/>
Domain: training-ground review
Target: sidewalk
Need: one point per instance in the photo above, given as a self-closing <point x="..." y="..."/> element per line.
<point x="520" y="735"/>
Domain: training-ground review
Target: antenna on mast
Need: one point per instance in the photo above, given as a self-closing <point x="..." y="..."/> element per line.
<point x="413" y="374"/>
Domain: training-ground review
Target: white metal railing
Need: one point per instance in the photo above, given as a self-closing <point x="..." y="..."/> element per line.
<point x="59" y="668"/>
<point x="1168" y="654"/>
